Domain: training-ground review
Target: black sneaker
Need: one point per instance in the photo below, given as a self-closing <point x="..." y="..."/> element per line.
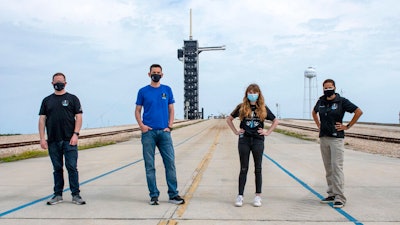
<point x="338" y="205"/>
<point x="328" y="199"/>
<point x="154" y="201"/>
<point x="177" y="200"/>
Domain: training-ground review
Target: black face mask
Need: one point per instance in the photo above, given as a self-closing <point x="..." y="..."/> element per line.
<point x="59" y="86"/>
<point x="155" y="77"/>
<point x="328" y="93"/>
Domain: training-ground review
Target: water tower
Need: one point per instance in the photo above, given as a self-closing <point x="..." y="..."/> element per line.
<point x="310" y="91"/>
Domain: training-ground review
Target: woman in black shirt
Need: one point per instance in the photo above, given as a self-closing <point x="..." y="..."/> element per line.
<point x="252" y="113"/>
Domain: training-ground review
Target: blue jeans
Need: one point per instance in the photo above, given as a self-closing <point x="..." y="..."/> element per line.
<point x="163" y="141"/>
<point x="57" y="150"/>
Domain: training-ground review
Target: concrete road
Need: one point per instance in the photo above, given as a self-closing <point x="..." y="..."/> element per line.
<point x="113" y="184"/>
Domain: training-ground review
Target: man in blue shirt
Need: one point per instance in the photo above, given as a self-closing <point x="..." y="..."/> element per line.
<point x="157" y="101"/>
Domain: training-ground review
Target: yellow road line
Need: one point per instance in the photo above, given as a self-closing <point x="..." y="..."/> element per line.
<point x="195" y="183"/>
<point x="169" y="222"/>
<point x="200" y="170"/>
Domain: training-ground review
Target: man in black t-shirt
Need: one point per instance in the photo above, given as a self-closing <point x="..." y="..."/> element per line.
<point x="61" y="116"/>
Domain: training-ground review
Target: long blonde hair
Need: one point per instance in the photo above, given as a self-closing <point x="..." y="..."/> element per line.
<point x="245" y="109"/>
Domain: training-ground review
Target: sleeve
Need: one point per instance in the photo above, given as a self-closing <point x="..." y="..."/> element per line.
<point x="139" y="98"/>
<point x="348" y="106"/>
<point x="270" y="115"/>
<point x="43" y="110"/>
<point x="78" y="106"/>
<point x="171" y="99"/>
<point x="316" y="107"/>
<point x="235" y="112"/>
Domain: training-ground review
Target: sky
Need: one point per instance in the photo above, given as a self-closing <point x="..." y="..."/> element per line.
<point x="105" y="48"/>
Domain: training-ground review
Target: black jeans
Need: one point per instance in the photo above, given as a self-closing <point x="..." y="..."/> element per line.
<point x="256" y="147"/>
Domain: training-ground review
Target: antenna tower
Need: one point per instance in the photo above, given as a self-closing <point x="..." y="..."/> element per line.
<point x="189" y="55"/>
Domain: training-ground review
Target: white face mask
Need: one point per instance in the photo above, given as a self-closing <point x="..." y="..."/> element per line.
<point x="252" y="97"/>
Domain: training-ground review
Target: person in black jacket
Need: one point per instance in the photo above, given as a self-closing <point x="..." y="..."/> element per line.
<point x="328" y="115"/>
<point x="252" y="113"/>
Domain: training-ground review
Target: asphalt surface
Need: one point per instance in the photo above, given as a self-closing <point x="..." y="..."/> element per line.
<point x="113" y="184"/>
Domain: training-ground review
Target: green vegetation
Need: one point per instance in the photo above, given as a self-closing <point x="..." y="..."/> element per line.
<point x="42" y="153"/>
<point x="24" y="155"/>
<point x="298" y="135"/>
<point x="294" y="134"/>
<point x="96" y="145"/>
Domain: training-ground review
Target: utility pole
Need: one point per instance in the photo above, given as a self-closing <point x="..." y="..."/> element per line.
<point x="189" y="54"/>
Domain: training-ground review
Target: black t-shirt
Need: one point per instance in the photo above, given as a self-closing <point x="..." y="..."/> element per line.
<point x="253" y="123"/>
<point x="331" y="112"/>
<point x="60" y="111"/>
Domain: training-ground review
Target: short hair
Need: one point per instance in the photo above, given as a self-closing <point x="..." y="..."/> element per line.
<point x="155" y="66"/>
<point x="329" y="81"/>
<point x="59" y="74"/>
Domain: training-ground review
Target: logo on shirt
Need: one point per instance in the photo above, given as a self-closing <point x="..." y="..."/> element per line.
<point x="252" y="123"/>
<point x="65" y="102"/>
<point x="334" y="106"/>
<point x="164" y="96"/>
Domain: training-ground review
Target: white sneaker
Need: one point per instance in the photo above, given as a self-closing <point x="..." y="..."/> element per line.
<point x="239" y="201"/>
<point x="257" y="201"/>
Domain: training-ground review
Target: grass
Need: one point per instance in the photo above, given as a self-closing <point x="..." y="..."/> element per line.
<point x="24" y="155"/>
<point x="43" y="153"/>
<point x="294" y="134"/>
<point x="298" y="135"/>
<point x="96" y="145"/>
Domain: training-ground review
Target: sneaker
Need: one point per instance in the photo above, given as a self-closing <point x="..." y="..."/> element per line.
<point x="338" y="205"/>
<point x="239" y="201"/>
<point x="78" y="200"/>
<point x="257" y="201"/>
<point x="177" y="200"/>
<point x="154" y="201"/>
<point x="55" y="200"/>
<point x="328" y="199"/>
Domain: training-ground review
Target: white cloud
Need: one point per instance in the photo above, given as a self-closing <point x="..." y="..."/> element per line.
<point x="106" y="46"/>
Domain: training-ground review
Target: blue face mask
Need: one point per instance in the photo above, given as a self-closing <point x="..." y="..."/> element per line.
<point x="252" y="97"/>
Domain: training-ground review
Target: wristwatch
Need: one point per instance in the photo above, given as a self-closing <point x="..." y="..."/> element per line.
<point x="170" y="128"/>
<point x="77" y="133"/>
